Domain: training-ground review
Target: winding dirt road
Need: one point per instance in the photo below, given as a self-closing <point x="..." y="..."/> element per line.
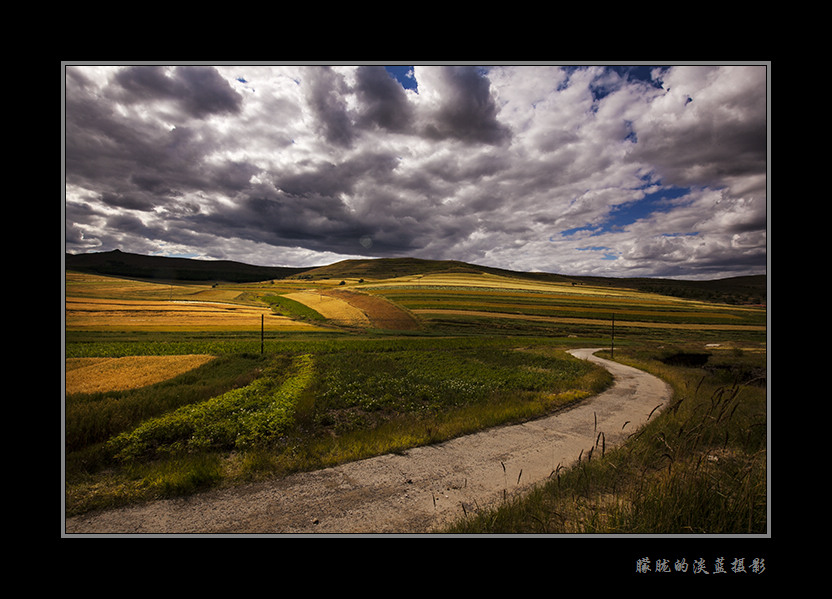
<point x="415" y="492"/>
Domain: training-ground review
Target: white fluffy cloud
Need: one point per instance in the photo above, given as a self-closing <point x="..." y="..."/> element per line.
<point x="577" y="170"/>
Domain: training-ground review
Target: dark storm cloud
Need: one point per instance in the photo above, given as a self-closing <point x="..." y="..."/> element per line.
<point x="467" y="111"/>
<point x="139" y="163"/>
<point x="129" y="201"/>
<point x="128" y="224"/>
<point x="328" y="178"/>
<point x="232" y="176"/>
<point x="326" y="90"/>
<point x="197" y="90"/>
<point x="309" y="209"/>
<point x="317" y="222"/>
<point x="383" y="100"/>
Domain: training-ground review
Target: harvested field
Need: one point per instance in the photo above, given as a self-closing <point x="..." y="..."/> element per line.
<point x="92" y="375"/>
<point x="332" y="306"/>
<point x="493" y="282"/>
<point x="157" y="315"/>
<point x="90" y="285"/>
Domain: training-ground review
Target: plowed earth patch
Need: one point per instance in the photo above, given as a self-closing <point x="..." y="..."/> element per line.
<point x="381" y="313"/>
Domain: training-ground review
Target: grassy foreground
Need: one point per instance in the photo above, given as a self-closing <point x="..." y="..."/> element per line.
<point x="700" y="467"/>
<point x="246" y="417"/>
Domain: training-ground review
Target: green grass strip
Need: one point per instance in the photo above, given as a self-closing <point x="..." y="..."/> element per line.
<point x="283" y="306"/>
<point x="242" y="418"/>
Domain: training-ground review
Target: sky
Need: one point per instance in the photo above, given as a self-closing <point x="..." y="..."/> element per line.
<point x="603" y="170"/>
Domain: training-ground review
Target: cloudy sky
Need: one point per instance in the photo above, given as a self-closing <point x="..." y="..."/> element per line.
<point x="586" y="170"/>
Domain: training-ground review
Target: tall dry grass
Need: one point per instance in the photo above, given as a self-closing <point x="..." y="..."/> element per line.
<point x="700" y="467"/>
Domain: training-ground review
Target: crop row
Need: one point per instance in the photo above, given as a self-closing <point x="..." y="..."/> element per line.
<point x="160" y="344"/>
<point x="238" y="419"/>
<point x="367" y="374"/>
<point x="540" y="304"/>
<point x="419" y="381"/>
<point x="290" y="308"/>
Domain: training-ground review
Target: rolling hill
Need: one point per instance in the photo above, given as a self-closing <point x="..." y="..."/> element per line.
<point x="734" y="290"/>
<point x="123" y="264"/>
<point x="389" y="268"/>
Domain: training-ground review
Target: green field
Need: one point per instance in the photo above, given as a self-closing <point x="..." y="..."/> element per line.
<point x="307" y="392"/>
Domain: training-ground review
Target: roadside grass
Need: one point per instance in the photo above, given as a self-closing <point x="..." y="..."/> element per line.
<point x="699" y="467"/>
<point x="377" y="403"/>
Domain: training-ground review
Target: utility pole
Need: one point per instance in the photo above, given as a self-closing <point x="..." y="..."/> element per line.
<point x="612" y="343"/>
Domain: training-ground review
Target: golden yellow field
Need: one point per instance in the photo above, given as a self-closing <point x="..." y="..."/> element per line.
<point x="496" y="282"/>
<point x="89" y="285"/>
<point x="334" y="308"/>
<point x="99" y="303"/>
<point x="490" y="296"/>
<point x="91" y="375"/>
<point x="95" y="314"/>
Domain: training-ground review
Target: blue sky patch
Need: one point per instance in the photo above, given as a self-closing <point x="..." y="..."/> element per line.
<point x="651" y="203"/>
<point x="619" y="217"/>
<point x="602" y="86"/>
<point x="404" y="75"/>
<point x="572" y="231"/>
<point x="609" y="253"/>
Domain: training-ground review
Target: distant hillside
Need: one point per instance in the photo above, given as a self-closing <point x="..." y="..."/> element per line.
<point x="735" y="290"/>
<point x="390" y="268"/>
<point x="122" y="264"/>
